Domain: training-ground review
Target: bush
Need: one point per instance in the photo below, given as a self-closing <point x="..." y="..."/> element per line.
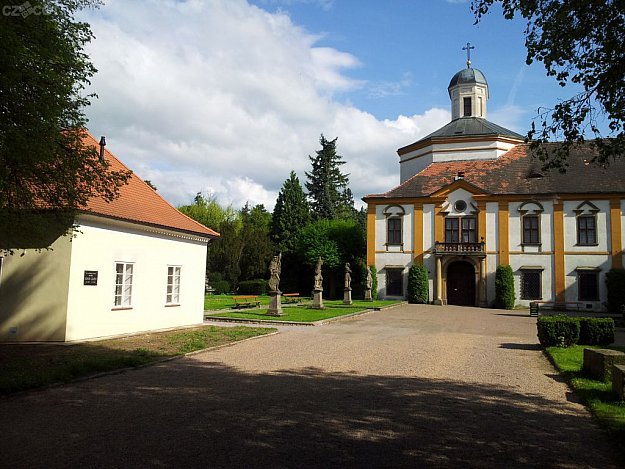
<point x="374" y="283"/>
<point x="418" y="291"/>
<point x="253" y="287"/>
<point x="562" y="331"/>
<point x="504" y="287"/>
<point x="221" y="287"/>
<point x="596" y="331"/>
<point x="615" y="281"/>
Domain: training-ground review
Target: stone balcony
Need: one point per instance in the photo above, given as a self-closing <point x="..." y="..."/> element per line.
<point x="462" y="249"/>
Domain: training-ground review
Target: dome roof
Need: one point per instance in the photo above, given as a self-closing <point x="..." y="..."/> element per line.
<point x="468" y="75"/>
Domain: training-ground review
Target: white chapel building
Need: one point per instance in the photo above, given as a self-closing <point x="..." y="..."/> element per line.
<point x="136" y="264"/>
<point x="471" y="197"/>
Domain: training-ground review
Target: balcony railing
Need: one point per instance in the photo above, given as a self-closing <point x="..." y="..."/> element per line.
<point x="459" y="248"/>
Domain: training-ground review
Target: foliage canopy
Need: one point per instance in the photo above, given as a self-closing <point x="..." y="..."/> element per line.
<point x="44" y="163"/>
<point x="579" y="42"/>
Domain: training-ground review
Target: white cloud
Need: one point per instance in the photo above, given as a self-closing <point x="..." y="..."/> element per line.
<point x="220" y="96"/>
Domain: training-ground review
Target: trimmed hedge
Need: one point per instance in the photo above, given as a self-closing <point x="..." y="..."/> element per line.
<point x="559" y="330"/>
<point x="418" y="291"/>
<point x="253" y="287"/>
<point x="596" y="331"/>
<point x="565" y="331"/>
<point x="504" y="287"/>
<point x="615" y="281"/>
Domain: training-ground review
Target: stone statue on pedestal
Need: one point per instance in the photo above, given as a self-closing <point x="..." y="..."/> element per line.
<point x="275" y="305"/>
<point x="369" y="285"/>
<point x="347" y="297"/>
<point x="318" y="287"/>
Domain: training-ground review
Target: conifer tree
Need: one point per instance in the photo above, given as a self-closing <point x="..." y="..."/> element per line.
<point x="327" y="187"/>
<point x="290" y="214"/>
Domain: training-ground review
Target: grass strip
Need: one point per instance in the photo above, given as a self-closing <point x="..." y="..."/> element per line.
<point x="304" y="313"/>
<point x="29" y="366"/>
<point x="597" y="395"/>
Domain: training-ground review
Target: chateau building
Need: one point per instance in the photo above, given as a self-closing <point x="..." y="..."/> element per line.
<point x="471" y="197"/>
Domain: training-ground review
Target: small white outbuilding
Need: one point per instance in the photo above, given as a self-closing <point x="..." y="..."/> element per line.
<point x="136" y="264"/>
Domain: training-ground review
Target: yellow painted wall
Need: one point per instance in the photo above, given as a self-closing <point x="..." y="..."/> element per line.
<point x="34" y="292"/>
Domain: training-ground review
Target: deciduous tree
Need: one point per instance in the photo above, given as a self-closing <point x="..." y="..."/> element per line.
<point x="44" y="163"/>
<point x="579" y="42"/>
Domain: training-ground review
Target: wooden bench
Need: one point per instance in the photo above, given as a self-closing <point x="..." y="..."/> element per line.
<point x="291" y="297"/>
<point x="246" y="301"/>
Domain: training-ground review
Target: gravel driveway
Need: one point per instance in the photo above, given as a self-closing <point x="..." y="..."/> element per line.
<point x="412" y="386"/>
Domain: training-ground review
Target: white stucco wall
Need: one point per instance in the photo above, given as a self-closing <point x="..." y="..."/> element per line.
<point x="530" y="259"/>
<point x="515" y="228"/>
<point x="571" y="263"/>
<point x="602" y="224"/>
<point x="102" y="243"/>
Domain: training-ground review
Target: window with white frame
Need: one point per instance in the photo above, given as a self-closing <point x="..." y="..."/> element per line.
<point x="173" y="285"/>
<point x="586" y="215"/>
<point x="530" y="222"/>
<point x="123" y="284"/>
<point x="394" y="219"/>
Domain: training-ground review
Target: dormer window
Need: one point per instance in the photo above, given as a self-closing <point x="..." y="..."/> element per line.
<point x="467" y="106"/>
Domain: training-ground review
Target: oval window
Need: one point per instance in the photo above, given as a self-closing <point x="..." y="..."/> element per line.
<point x="460" y="206"/>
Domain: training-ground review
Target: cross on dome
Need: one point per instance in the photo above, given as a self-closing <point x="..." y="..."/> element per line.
<point x="468" y="48"/>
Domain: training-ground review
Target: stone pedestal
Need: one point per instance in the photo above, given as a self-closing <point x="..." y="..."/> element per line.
<point x="275" y="304"/>
<point x="347" y="296"/>
<point x="368" y="296"/>
<point x="317" y="302"/>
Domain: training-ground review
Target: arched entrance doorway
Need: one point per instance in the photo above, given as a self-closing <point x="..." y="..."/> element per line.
<point x="461" y="284"/>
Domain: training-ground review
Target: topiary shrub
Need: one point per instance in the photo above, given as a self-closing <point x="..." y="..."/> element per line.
<point x="561" y="331"/>
<point x="418" y="291"/>
<point x="596" y="331"/>
<point x="504" y="287"/>
<point x="374" y="283"/>
<point x="253" y="287"/>
<point x="615" y="281"/>
<point x="221" y="287"/>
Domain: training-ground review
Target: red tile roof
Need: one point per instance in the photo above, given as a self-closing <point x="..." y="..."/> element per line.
<point x="517" y="172"/>
<point x="139" y="203"/>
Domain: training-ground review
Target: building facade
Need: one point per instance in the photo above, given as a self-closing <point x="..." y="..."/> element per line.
<point x="136" y="264"/>
<point x="471" y="197"/>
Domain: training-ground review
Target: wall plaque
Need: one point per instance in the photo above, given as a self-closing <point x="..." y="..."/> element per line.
<point x="91" y="277"/>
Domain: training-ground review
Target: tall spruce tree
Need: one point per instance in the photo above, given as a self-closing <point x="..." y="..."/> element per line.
<point x="290" y="214"/>
<point x="327" y="186"/>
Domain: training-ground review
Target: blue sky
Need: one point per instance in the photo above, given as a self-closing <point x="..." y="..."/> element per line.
<point x="225" y="97"/>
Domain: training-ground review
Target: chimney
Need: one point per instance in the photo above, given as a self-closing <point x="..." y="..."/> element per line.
<point x="102" y="145"/>
<point x="459" y="176"/>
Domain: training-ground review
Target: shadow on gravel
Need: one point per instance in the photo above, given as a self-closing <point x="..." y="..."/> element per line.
<point x="521" y="346"/>
<point x="188" y="413"/>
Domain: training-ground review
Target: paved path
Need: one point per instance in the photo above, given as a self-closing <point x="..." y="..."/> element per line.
<point x="412" y="386"/>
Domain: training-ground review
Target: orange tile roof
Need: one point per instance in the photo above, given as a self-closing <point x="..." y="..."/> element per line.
<point x="139" y="203"/>
<point x="512" y="173"/>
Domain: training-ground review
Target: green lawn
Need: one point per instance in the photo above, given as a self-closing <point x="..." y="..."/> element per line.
<point x="217" y="302"/>
<point x="28" y="366"/>
<point x="304" y="313"/>
<point x="596" y="394"/>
